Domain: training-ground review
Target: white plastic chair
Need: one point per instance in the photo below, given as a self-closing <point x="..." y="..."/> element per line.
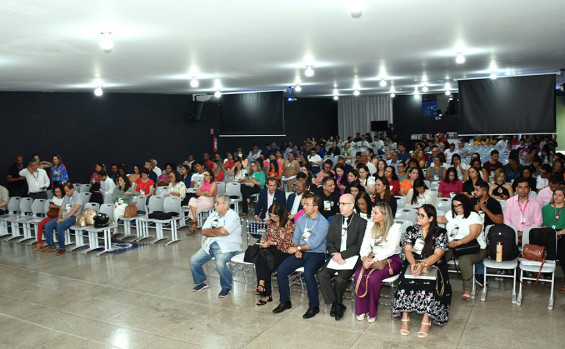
<point x="93" y="232"/>
<point x="221" y="188"/>
<point x="140" y="206"/>
<point x="86" y="197"/>
<point x="534" y="267"/>
<point x="77" y="186"/>
<point x="505" y="265"/>
<point x="236" y="264"/>
<point x="400" y="201"/>
<point x="93" y="205"/>
<point x="234" y="192"/>
<point x="25" y="215"/>
<point x="85" y="188"/>
<point x="155" y="204"/>
<point x="408" y="214"/>
<point x="13" y="213"/>
<point x="38" y="214"/>
<point x="171" y="204"/>
<point x="444" y="204"/>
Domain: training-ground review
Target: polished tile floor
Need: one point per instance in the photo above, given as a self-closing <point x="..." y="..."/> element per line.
<point x="142" y="298"/>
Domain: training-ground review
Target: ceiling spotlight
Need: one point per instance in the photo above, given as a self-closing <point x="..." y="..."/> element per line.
<point x="460" y="59"/>
<point x="392" y="90"/>
<point x="355" y="7"/>
<point x="292" y="98"/>
<point x="106" y="42"/>
<point x="392" y="95"/>
<point x="336" y="92"/>
<point x="297" y="88"/>
<point x="194" y="83"/>
<point x="218" y="94"/>
<point x="336" y="98"/>
<point x="356" y="93"/>
<point x="309" y="72"/>
<point x="447" y="86"/>
<point x="493" y="76"/>
<point x="382" y="83"/>
<point x="425" y="89"/>
<point x="447" y="92"/>
<point x="98" y="91"/>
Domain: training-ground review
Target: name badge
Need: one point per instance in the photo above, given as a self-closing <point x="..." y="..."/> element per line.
<point x="523" y="220"/>
<point x="419" y="246"/>
<point x="327" y="205"/>
<point x="553" y="226"/>
<point x="306" y="234"/>
<point x="376" y="242"/>
<point x="436" y="178"/>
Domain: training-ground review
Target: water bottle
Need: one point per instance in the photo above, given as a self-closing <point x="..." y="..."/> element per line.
<point x="499" y="252"/>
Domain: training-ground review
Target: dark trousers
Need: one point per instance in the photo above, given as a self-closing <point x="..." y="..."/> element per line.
<point x="246" y="192"/>
<point x="264" y="271"/>
<point x="311" y="262"/>
<point x="561" y="252"/>
<point x="40" y="195"/>
<point x="333" y="291"/>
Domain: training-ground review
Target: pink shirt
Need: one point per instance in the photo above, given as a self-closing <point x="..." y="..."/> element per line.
<point x="446" y="188"/>
<point x="206" y="186"/>
<point x="513" y="213"/>
<point x="298" y="215"/>
<point x="544" y="196"/>
<point x="320" y="176"/>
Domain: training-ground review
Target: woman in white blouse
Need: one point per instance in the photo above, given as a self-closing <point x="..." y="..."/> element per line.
<point x="176" y="186"/>
<point x="381" y="242"/>
<point x="237" y="172"/>
<point x="366" y="180"/>
<point x="56" y="202"/>
<point x="463" y="226"/>
<point x="420" y="195"/>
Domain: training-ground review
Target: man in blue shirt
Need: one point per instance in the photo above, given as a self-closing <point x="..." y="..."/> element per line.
<point x="308" y="250"/>
<point x="403" y="155"/>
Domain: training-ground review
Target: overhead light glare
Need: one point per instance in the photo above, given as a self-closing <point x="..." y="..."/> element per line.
<point x="336" y="98"/>
<point x="425" y="89"/>
<point x="493" y="76"/>
<point x="416" y="92"/>
<point x="297" y="88"/>
<point x="392" y="95"/>
<point x="356" y="93"/>
<point x="460" y="59"/>
<point x="98" y="91"/>
<point x="218" y="94"/>
<point x="194" y="83"/>
<point x="447" y="86"/>
<point x="309" y="72"/>
<point x="106" y="43"/>
<point x="355" y="7"/>
<point x="447" y="92"/>
<point x="336" y="92"/>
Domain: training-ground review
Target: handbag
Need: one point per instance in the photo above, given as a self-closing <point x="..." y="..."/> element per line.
<point x="101" y="220"/>
<point x="53" y="212"/>
<point x="472" y="247"/>
<point x="88" y="215"/>
<point x="251" y="253"/>
<point x="130" y="211"/>
<point x="80" y="221"/>
<point x="534" y="253"/>
<point x="377" y="265"/>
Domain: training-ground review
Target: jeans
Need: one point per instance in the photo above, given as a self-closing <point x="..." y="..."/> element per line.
<point x="61" y="228"/>
<point x="222" y="259"/>
<point x="311" y="262"/>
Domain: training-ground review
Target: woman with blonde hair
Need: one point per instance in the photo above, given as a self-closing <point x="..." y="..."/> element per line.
<point x="380" y="254"/>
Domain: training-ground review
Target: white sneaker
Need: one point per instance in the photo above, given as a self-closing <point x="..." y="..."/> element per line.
<point x="371" y="319"/>
<point x="361" y="317"/>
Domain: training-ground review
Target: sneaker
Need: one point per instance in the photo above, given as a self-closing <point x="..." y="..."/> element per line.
<point x="479" y="279"/>
<point x="200" y="287"/>
<point x="224" y="292"/>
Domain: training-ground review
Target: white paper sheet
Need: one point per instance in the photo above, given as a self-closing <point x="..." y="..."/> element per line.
<point x="349" y="264"/>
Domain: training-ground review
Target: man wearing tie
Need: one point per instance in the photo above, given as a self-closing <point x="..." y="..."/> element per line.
<point x="344" y="239"/>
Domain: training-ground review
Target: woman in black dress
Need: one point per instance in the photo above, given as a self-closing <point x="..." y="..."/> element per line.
<point x="425" y="245"/>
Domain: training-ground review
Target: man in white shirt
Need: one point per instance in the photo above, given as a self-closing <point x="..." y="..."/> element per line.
<point x="315" y="160"/>
<point x="501" y="145"/>
<point x="221" y="240"/>
<point x="293" y="203"/>
<point x="462" y="150"/>
<point x="393" y="161"/>
<point x="379" y="146"/>
<point x="156" y="169"/>
<point x="365" y="160"/>
<point x="362" y="143"/>
<point x="107" y="185"/>
<point x="37" y="180"/>
<point x="543" y="179"/>
<point x="449" y="152"/>
<point x="254" y="154"/>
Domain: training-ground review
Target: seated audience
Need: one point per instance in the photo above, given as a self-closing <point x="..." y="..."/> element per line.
<point x="135" y="175"/>
<point x="545" y="195"/>
<point x="237" y="172"/>
<point x="315" y="160"/>
<point x="308" y="250"/>
<point x="521" y="210"/>
<point x="123" y="191"/>
<point x="150" y="166"/>
<point x="267" y="197"/>
<point x="165" y="178"/>
<point x="483" y="174"/>
<point x="186" y="175"/>
<point x="37" y="180"/>
<point x="144" y="186"/>
<point x="354" y="188"/>
<point x="542" y="180"/>
<point x="553" y="218"/>
<point x="406" y="184"/>
<point x="291" y="168"/>
<point x="425" y="244"/>
<point x="70" y="208"/>
<point x="381" y="242"/>
<point x="294" y="201"/>
<point x="474" y="176"/>
<point x="392" y="178"/>
<point x="500" y="190"/>
<point x="344" y="239"/>
<point x="393" y="161"/>
<point x="451" y="185"/>
<point x="493" y="164"/>
<point x="107" y="184"/>
<point x="341" y="178"/>
<point x="436" y="172"/>
<point x="221" y="241"/>
<point x="58" y="173"/>
<point x="527" y="174"/>
<point x="274" y="170"/>
<point x="55" y="204"/>
<point x="420" y="195"/>
<point x="218" y="172"/>
<point x="383" y="194"/>
<point x="460" y="167"/>
<point x="513" y="172"/>
<point x="252" y="184"/>
<point x="463" y="226"/>
<point x="364" y="206"/>
<point x="327" y="169"/>
<point x="274" y="249"/>
<point x="329" y="197"/>
<point x="176" y="186"/>
<point x="204" y="199"/>
<point x="113" y="172"/>
<point x="229" y="161"/>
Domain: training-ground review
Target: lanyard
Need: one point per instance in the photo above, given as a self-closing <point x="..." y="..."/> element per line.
<point x="557" y="214"/>
<point x="310" y="219"/>
<point x="523" y="211"/>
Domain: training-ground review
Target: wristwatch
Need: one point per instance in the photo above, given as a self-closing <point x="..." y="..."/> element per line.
<point x="425" y="264"/>
<point x="299" y="248"/>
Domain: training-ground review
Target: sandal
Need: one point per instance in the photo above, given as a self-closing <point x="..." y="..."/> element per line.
<point x="258" y="292"/>
<point x="422" y="334"/>
<point x="193" y="227"/>
<point x="38" y="247"/>
<point x="466" y="297"/>
<point x="403" y="331"/>
<point x="262" y="302"/>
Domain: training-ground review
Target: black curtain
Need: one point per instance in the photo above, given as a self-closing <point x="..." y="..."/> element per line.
<point x="512" y="105"/>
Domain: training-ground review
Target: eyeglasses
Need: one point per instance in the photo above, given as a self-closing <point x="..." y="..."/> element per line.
<point x="345" y="203"/>
<point x="308" y="205"/>
<point x="458" y="206"/>
<point x="421" y="215"/>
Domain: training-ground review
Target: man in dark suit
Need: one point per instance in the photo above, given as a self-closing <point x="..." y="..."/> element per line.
<point x="268" y="196"/>
<point x="293" y="204"/>
<point x="344" y="239"/>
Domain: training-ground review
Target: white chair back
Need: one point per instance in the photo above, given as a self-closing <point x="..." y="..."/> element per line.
<point x="38" y="207"/>
<point x="85" y="188"/>
<point x="77" y="186"/>
<point x="140" y="203"/>
<point x="46" y="206"/>
<point x="172" y="204"/>
<point x="233" y="190"/>
<point x="93" y="205"/>
<point x="221" y="188"/>
<point x="25" y="206"/>
<point x="86" y="196"/>
<point x="14" y="205"/>
<point x="108" y="209"/>
<point x="444" y="204"/>
<point x="155" y="204"/>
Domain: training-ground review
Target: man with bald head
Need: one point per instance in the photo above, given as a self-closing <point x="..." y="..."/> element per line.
<point x="344" y="239"/>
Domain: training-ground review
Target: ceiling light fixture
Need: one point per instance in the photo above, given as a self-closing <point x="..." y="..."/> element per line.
<point x="106" y="42"/>
<point x="355" y="7"/>
<point x="392" y="95"/>
<point x="336" y="92"/>
<point x="356" y="93"/>
<point x="218" y="94"/>
<point x="98" y="91"/>
<point x="416" y="92"/>
<point x="460" y="59"/>
<point x="447" y="86"/>
<point x="383" y="83"/>
<point x="194" y="83"/>
<point x="425" y="89"/>
<point x="447" y="92"/>
<point x="309" y="72"/>
<point x="336" y="98"/>
<point x="292" y="98"/>
<point x="297" y="88"/>
<point x="493" y="76"/>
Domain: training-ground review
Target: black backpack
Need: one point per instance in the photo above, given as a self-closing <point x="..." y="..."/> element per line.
<point x="101" y="220"/>
<point x="544" y="237"/>
<point x="507" y="236"/>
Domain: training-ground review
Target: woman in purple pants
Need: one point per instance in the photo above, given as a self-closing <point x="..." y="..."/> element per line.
<point x="381" y="242"/>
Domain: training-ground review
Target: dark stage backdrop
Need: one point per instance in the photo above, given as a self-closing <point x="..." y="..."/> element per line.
<point x="86" y="129"/>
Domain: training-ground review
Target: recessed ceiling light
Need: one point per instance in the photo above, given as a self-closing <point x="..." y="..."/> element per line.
<point x="493" y="76"/>
<point x="336" y="98"/>
<point x="194" y="83"/>
<point x="309" y="72"/>
<point x="447" y="92"/>
<point x="425" y="89"/>
<point x="218" y="94"/>
<point x="297" y="88"/>
<point x="106" y="42"/>
<point x="355" y="7"/>
<point x="392" y="95"/>
<point x="356" y="93"/>
<point x="416" y="92"/>
<point x="383" y="83"/>
<point x="98" y="91"/>
<point x="460" y="59"/>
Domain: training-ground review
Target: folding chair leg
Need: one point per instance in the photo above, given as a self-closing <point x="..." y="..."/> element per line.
<point x="159" y="232"/>
<point x="15" y="231"/>
<point x="514" y="288"/>
<point x="79" y="240"/>
<point x="93" y="243"/>
<point x="474" y="287"/>
<point x="27" y="233"/>
<point x="107" y="242"/>
<point x="519" y="300"/>
<point x="550" y="304"/>
<point x="174" y="233"/>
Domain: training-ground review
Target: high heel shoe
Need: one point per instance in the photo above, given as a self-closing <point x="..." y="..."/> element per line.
<point x="259" y="290"/>
<point x="262" y="302"/>
<point x="422" y="334"/>
<point x="38" y="247"/>
<point x="403" y="331"/>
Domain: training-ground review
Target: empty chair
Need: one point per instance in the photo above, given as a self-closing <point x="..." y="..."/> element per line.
<point x="444" y="204"/>
<point x="84" y="188"/>
<point x="25" y="215"/>
<point x="406" y="214"/>
<point x="86" y="197"/>
<point x="234" y="192"/>
<point x="155" y="204"/>
<point x="93" y="205"/>
<point x="171" y="205"/>
<point x="400" y="201"/>
<point x="221" y="187"/>
<point x="140" y="206"/>
<point x="13" y="213"/>
<point x="38" y="214"/>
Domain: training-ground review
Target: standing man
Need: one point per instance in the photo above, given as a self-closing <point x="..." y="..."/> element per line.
<point x="267" y="197"/>
<point x="345" y="236"/>
<point x="308" y="250"/>
<point x="329" y="197"/>
<point x="70" y="209"/>
<point x="17" y="185"/>
<point x="521" y="210"/>
<point x="222" y="241"/>
<point x="37" y="180"/>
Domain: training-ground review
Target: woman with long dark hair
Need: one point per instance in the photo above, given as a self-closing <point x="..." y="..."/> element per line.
<point x="450" y="184"/>
<point x="425" y="245"/>
<point x="392" y="178"/>
<point x="419" y="195"/>
<point x="383" y="194"/>
<point x="364" y="205"/>
<point x="205" y="192"/>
